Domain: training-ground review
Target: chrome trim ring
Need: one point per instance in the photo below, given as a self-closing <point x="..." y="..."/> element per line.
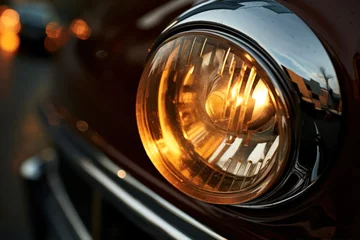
<point x="294" y="51"/>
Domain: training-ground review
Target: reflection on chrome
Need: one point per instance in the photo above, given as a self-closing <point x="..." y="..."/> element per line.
<point x="321" y="96"/>
<point x="121" y="174"/>
<point x="288" y="40"/>
<point x="300" y="60"/>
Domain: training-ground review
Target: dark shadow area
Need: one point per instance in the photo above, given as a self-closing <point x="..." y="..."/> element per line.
<point x="22" y="80"/>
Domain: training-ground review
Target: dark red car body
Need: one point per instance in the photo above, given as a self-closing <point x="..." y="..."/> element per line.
<point x="97" y="83"/>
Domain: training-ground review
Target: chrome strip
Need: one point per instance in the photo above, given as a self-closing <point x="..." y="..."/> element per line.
<point x="86" y="157"/>
<point x="33" y="168"/>
<point x="157" y="15"/>
<point x="129" y="200"/>
<point x="108" y="164"/>
<point x="67" y="207"/>
<point x="101" y="177"/>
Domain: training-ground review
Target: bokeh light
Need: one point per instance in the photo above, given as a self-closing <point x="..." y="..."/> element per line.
<point x="56" y="37"/>
<point x="53" y="30"/>
<point x="10" y="21"/>
<point x="80" y="29"/>
<point x="9" y="42"/>
<point x="121" y="174"/>
<point x="51" y="45"/>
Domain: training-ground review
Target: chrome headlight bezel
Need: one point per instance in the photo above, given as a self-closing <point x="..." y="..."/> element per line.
<point x="283" y="94"/>
<point x="304" y="167"/>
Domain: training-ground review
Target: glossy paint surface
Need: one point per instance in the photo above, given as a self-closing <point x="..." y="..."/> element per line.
<point x="98" y="81"/>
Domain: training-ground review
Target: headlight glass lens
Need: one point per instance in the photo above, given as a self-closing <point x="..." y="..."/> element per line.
<point x="211" y="119"/>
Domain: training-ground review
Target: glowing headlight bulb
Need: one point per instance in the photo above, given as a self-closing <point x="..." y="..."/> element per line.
<point x="210" y="119"/>
<point x="224" y="106"/>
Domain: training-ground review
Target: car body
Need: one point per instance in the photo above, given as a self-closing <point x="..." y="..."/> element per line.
<point x="101" y="161"/>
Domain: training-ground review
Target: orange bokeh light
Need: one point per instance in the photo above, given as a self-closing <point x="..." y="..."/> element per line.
<point x="81" y="29"/>
<point x="51" y="45"/>
<point x="53" y="30"/>
<point x="10" y="21"/>
<point x="10" y="17"/>
<point x="56" y="36"/>
<point x="9" y="42"/>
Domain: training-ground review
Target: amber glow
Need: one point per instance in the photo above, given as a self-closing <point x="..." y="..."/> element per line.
<point x="260" y="94"/>
<point x="53" y="30"/>
<point x="9" y="42"/>
<point x="168" y="143"/>
<point x="9" y="27"/>
<point x="80" y="29"/>
<point x="238" y="101"/>
<point x="10" y="21"/>
<point x="218" y="102"/>
<point x="50" y="45"/>
<point x="208" y="120"/>
<point x="215" y="104"/>
<point x="249" y="57"/>
<point x="56" y="37"/>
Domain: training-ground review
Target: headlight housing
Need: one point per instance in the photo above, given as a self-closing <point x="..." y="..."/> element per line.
<point x="211" y="118"/>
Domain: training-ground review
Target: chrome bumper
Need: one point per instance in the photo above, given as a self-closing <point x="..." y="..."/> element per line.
<point x="141" y="205"/>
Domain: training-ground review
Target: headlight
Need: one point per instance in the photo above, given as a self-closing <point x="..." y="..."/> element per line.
<point x="212" y="119"/>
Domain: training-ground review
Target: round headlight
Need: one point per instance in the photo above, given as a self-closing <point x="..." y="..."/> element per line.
<point x="211" y="118"/>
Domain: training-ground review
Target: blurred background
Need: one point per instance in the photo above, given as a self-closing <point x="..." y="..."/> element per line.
<point x="31" y="34"/>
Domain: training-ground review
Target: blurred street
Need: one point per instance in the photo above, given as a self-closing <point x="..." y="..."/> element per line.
<point x="23" y="80"/>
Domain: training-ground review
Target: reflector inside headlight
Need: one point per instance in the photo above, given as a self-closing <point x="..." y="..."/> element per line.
<point x="211" y="119"/>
